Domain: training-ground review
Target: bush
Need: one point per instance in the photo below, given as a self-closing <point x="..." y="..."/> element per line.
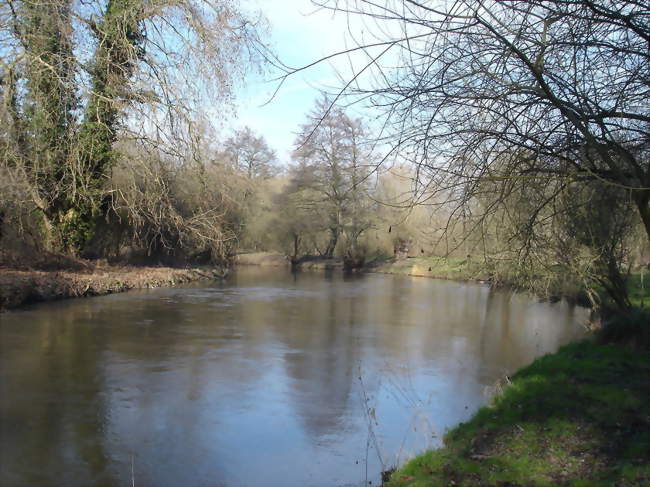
<point x="630" y="328"/>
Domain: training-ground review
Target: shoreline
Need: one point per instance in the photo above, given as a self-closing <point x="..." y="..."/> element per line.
<point x="20" y="288"/>
<point x="575" y="417"/>
<point x="431" y="267"/>
<point x="448" y="269"/>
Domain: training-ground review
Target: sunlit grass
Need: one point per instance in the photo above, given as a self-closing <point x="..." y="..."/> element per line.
<point x="469" y="270"/>
<point x="578" y="418"/>
<point x="438" y="267"/>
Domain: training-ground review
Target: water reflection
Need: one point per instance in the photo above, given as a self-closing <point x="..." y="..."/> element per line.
<point x="264" y="380"/>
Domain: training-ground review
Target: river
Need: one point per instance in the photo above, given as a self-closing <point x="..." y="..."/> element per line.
<point x="266" y="379"/>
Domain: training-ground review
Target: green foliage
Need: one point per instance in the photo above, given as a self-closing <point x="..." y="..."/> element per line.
<point x="76" y="76"/>
<point x="631" y="327"/>
<point x="638" y="284"/>
<point x="574" y="418"/>
<point x="76" y="228"/>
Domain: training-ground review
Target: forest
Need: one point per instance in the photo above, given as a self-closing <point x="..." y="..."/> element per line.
<point x="519" y="144"/>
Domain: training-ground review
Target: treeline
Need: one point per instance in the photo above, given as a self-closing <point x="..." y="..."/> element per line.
<point x="533" y="166"/>
<point x="104" y="142"/>
<point x="338" y="198"/>
<point x="332" y="199"/>
<point x="527" y="123"/>
<point x="554" y="237"/>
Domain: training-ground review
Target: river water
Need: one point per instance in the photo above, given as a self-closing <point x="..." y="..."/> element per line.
<point x="267" y="379"/>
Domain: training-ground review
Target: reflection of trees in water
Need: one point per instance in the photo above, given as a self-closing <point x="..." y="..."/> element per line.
<point x="95" y="386"/>
<point x="518" y="328"/>
<point x="323" y="353"/>
<point x="104" y="378"/>
<point x="474" y="335"/>
<point x="52" y="407"/>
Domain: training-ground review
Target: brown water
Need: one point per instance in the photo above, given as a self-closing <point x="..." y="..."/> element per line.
<point x="269" y="379"/>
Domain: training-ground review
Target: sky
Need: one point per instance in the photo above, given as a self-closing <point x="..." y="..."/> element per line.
<point x="300" y="33"/>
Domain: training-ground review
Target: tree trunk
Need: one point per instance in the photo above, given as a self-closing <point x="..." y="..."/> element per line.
<point x="642" y="200"/>
<point x="331" y="246"/>
<point x="615" y="285"/>
<point x="296" y="245"/>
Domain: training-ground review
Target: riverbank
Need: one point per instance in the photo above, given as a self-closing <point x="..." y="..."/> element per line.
<point x="262" y="259"/>
<point x="21" y="287"/>
<point x="579" y="417"/>
<point x="275" y="259"/>
<point x="435" y="267"/>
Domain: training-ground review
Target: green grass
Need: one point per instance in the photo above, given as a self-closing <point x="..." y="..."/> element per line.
<point x="631" y="328"/>
<point x="639" y="289"/>
<point x="439" y="267"/>
<point x="468" y="270"/>
<point x="580" y="417"/>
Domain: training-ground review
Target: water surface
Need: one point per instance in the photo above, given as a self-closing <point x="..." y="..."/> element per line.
<point x="268" y="379"/>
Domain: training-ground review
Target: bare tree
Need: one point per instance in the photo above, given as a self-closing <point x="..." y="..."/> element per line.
<point x="251" y="154"/>
<point x="503" y="91"/>
<point x="294" y="226"/>
<point x="175" y="212"/>
<point x="334" y="164"/>
<point x="559" y="88"/>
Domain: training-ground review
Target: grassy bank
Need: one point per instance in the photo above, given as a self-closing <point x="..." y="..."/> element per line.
<point x="274" y="259"/>
<point x="262" y="259"/>
<point x="435" y="267"/>
<point x="580" y="417"/>
<point x="467" y="270"/>
<point x="20" y="287"/>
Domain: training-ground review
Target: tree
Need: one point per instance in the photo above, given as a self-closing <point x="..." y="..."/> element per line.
<point x="175" y="212"/>
<point x="334" y="166"/>
<point x="514" y="90"/>
<point x="578" y="240"/>
<point x="294" y="226"/>
<point x="76" y="76"/>
<point x="251" y="154"/>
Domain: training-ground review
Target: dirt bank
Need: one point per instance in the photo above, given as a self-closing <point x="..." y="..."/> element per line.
<point x="20" y="287"/>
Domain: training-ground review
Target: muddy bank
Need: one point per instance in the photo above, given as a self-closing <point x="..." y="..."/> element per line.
<point x="21" y="287"/>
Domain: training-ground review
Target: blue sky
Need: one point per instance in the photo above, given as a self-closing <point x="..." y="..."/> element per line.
<point x="300" y="33"/>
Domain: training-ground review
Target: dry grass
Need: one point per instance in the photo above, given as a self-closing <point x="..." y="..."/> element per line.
<point x="19" y="286"/>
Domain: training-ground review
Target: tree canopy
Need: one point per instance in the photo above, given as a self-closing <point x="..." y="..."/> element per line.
<point x="536" y="98"/>
<point x="75" y="76"/>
